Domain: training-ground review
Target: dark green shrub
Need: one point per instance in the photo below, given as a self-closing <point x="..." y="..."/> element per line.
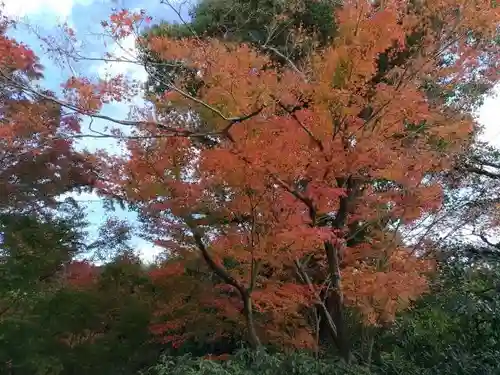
<point x="254" y="363"/>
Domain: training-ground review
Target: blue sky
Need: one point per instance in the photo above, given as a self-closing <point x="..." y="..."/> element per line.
<point x="84" y="16"/>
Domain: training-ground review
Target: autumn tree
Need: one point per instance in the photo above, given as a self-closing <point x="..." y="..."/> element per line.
<point x="41" y="231"/>
<point x="190" y="314"/>
<point x="37" y="162"/>
<point x="273" y="167"/>
<point x="37" y="165"/>
<point x="285" y="30"/>
<point x="473" y="171"/>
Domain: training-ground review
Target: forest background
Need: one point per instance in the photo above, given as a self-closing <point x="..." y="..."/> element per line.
<point x="312" y="174"/>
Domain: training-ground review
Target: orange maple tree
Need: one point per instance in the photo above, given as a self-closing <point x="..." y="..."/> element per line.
<point x="297" y="161"/>
<point x="37" y="159"/>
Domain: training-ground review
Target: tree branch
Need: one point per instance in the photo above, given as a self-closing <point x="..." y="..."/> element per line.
<point x="305" y="277"/>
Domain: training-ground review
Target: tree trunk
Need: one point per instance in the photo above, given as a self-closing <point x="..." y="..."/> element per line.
<point x="220" y="271"/>
<point x="335" y="303"/>
<point x="253" y="337"/>
<point x="341" y="340"/>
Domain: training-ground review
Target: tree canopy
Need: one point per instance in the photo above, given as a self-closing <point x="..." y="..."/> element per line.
<point x="308" y="167"/>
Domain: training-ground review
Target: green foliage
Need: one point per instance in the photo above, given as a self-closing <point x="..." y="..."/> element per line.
<point x="248" y="363"/>
<point x="453" y="330"/>
<point x="102" y="328"/>
<point x="32" y="250"/>
<point x="265" y="24"/>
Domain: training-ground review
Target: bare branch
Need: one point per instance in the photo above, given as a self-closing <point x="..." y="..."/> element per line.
<point x="309" y="133"/>
<point x="482" y="172"/>
<point x="305" y="277"/>
<point x="172" y="130"/>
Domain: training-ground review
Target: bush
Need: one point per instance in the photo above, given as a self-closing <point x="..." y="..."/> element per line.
<point x="246" y="362"/>
<point x="262" y="363"/>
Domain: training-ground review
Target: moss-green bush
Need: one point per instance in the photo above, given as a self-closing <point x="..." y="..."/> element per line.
<point x="252" y="363"/>
<point x="261" y="363"/>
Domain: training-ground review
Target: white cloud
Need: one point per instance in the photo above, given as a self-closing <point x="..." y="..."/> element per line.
<point x="59" y="8"/>
<point x="81" y="197"/>
<point x="148" y="252"/>
<point x="124" y="50"/>
<point x="489" y="117"/>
